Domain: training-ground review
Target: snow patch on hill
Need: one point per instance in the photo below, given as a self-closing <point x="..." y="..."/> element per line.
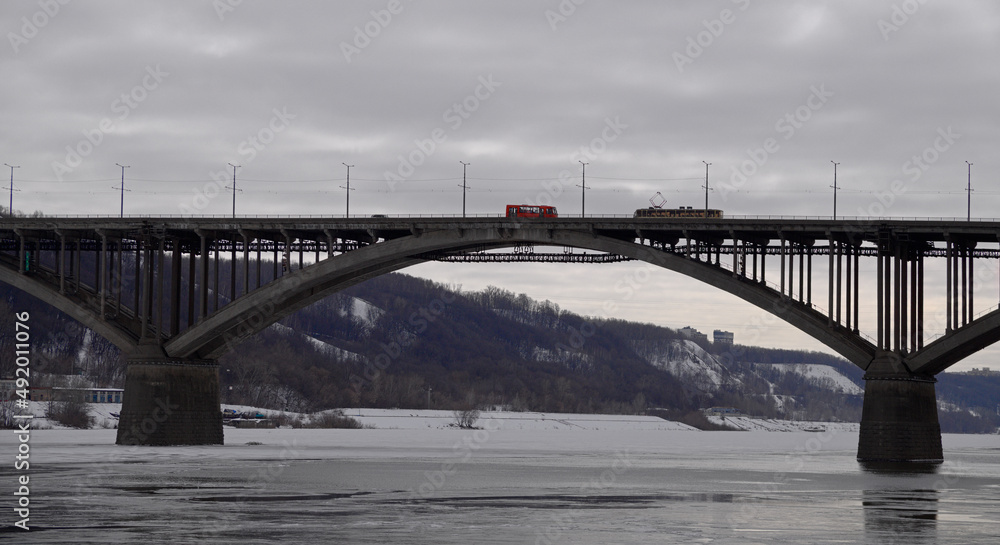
<point x="361" y="312"/>
<point x="688" y="362"/>
<point x="821" y="375"/>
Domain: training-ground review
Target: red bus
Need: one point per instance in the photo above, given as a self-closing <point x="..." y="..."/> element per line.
<point x="531" y="211"/>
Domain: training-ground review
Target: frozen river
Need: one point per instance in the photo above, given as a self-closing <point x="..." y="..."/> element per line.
<point x="441" y="486"/>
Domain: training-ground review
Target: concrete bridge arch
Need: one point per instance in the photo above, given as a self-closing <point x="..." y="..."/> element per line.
<point x="172" y="369"/>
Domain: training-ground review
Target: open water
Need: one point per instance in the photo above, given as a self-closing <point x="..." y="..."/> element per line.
<point x="496" y="486"/>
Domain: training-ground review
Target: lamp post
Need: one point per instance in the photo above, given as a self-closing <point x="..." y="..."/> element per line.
<point x="968" y="214"/>
<point x="707" y="164"/>
<point x="834" y="186"/>
<point x="234" y="186"/>
<point x="121" y="214"/>
<point x="583" y="189"/>
<point x="464" y="187"/>
<point x="348" y="189"/>
<point x="12" y="167"/>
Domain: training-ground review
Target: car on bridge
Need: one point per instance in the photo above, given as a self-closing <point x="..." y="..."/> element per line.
<point x="531" y="211"/>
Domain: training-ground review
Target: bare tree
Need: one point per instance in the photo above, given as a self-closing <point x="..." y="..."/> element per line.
<point x="466" y="418"/>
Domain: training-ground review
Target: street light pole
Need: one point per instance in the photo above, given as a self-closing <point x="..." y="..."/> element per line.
<point x="464" y="187"/>
<point x="234" y="186"/>
<point x="834" y="186"/>
<point x="707" y="164"/>
<point x="968" y="215"/>
<point x="583" y="190"/>
<point x="12" y="167"/>
<point x="121" y="214"/>
<point x="348" y="188"/>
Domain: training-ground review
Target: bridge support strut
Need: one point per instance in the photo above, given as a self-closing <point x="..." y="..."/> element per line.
<point x="170" y="402"/>
<point x="899" y="420"/>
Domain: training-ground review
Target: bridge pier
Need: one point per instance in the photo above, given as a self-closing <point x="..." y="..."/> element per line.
<point x="899" y="419"/>
<point x="170" y="402"/>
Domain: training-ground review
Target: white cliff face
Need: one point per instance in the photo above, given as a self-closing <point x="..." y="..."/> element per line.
<point x="823" y="376"/>
<point x="687" y="361"/>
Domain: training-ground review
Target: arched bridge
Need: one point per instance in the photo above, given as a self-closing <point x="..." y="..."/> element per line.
<point x="174" y="294"/>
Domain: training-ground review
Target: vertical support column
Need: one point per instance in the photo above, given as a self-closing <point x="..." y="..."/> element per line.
<point x="848" y="249"/>
<point x="857" y="275"/>
<point x="880" y="297"/>
<point x="192" y="275"/>
<point x="119" y="279"/>
<point x="102" y="275"/>
<point x="903" y="301"/>
<point x="895" y="298"/>
<point x="763" y="262"/>
<point x="62" y="263"/>
<point x="274" y="263"/>
<point x="791" y="270"/>
<point x="840" y="264"/>
<point x="258" y="263"/>
<point x="809" y="278"/>
<point x="972" y="280"/>
<point x="955" y="294"/>
<point x="963" y="252"/>
<point x="147" y="288"/>
<point x="77" y="258"/>
<point x="216" y="285"/>
<point x="246" y="263"/>
<point x="948" y="291"/>
<point x="161" y="273"/>
<point x="920" y="302"/>
<point x="21" y="256"/>
<point x="830" y="279"/>
<point x="203" y="279"/>
<point x="232" y="268"/>
<point x="802" y="269"/>
<point x="914" y="307"/>
<point x="736" y="254"/>
<point x="138" y="274"/>
<point x="781" y="255"/>
<point x="175" y="286"/>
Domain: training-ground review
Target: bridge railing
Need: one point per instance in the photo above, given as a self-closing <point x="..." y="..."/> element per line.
<point x="847" y="219"/>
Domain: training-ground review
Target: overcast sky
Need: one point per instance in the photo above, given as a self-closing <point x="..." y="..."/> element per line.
<point x="901" y="94"/>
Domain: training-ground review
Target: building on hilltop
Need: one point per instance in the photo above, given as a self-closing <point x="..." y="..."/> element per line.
<point x="722" y="337"/>
<point x="693" y="334"/>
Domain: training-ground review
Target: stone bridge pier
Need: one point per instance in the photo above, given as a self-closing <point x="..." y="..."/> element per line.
<point x="170" y="402"/>
<point x="899" y="420"/>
